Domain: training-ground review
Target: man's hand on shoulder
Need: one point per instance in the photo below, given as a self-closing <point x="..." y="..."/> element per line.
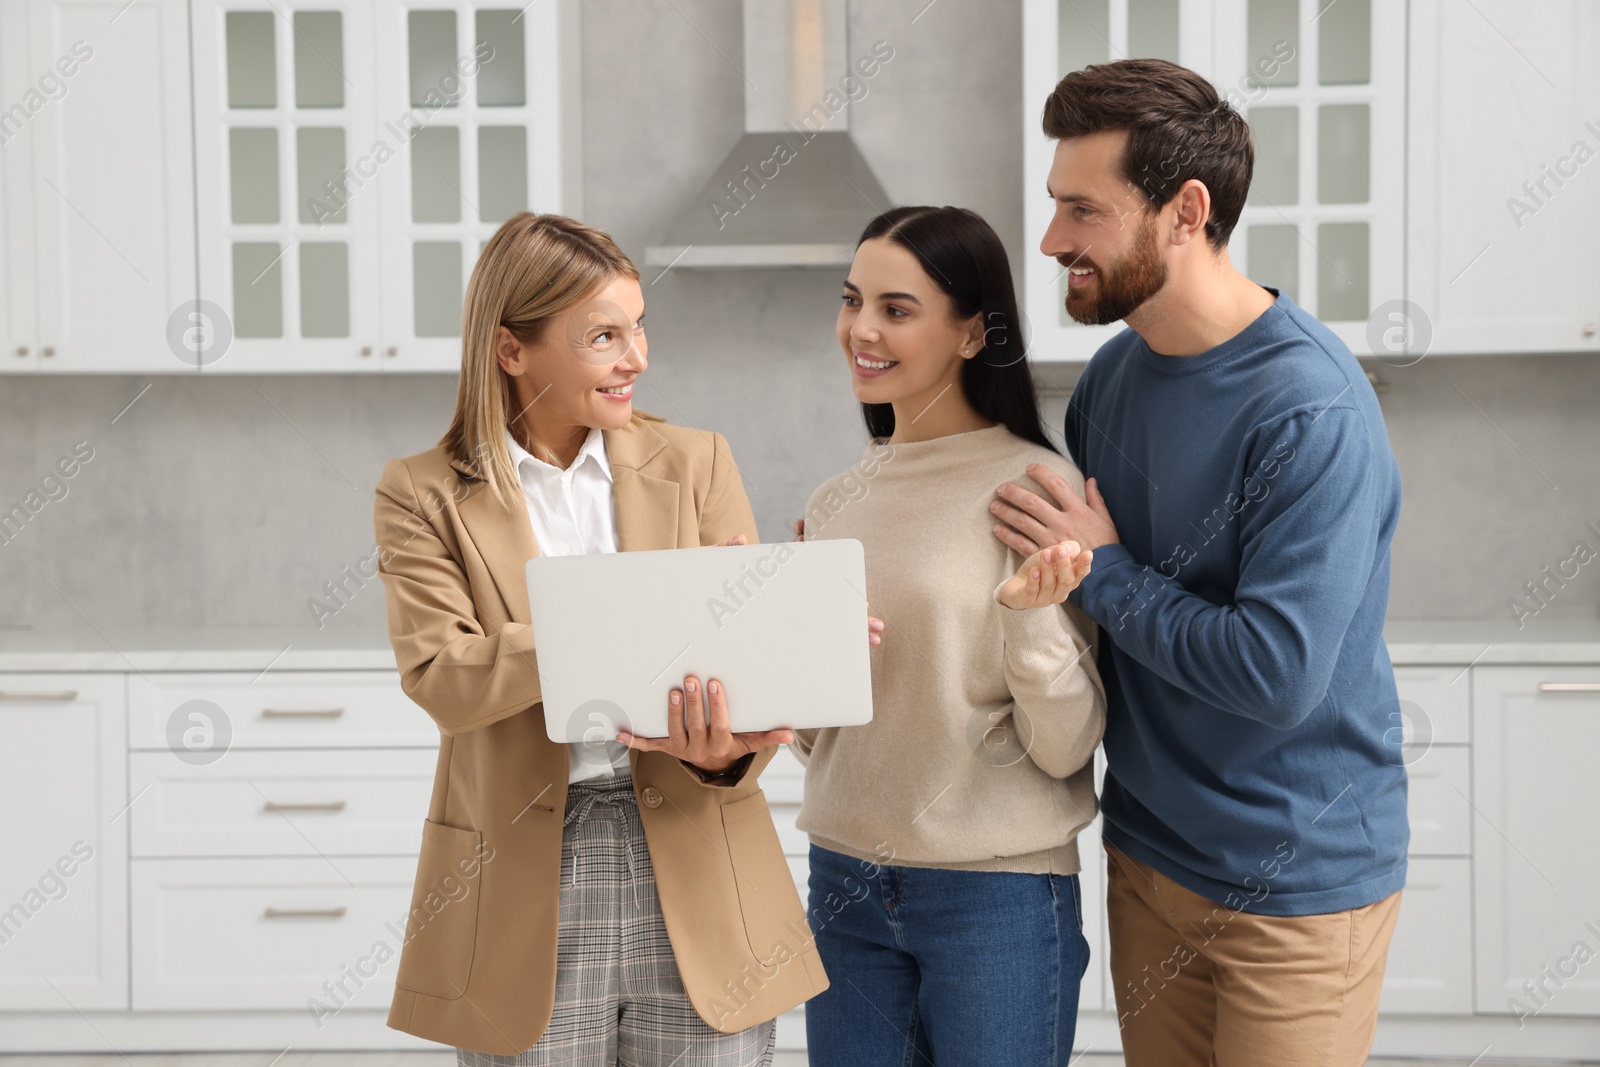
<point x="1029" y="523"/>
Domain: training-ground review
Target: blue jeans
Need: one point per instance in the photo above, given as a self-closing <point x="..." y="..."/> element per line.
<point x="929" y="965"/>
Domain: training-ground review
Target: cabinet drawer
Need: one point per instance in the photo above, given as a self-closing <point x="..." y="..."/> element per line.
<point x="1436" y="703"/>
<point x="1441" y="814"/>
<point x="268" y="933"/>
<point x="290" y="802"/>
<point x="1429" y="968"/>
<point x="1430" y="957"/>
<point x="289" y="709"/>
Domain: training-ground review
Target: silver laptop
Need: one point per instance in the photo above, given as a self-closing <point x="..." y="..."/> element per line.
<point x="782" y="626"/>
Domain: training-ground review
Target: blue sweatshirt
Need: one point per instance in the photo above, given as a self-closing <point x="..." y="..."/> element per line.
<point x="1252" y="735"/>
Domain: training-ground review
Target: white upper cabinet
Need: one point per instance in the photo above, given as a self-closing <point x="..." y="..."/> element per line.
<point x="495" y="122"/>
<point x="19" y="325"/>
<point x="288" y="200"/>
<point x="1423" y="180"/>
<point x="98" y="180"/>
<point x="1060" y="36"/>
<point x="353" y="159"/>
<point x="1504" y="189"/>
<point x="1323" y="87"/>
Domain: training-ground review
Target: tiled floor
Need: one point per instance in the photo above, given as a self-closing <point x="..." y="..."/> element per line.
<point x="445" y="1059"/>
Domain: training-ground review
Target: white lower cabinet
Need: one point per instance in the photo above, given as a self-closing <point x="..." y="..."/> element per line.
<point x="273" y="860"/>
<point x="1429" y="968"/>
<point x="261" y="831"/>
<point x="319" y="934"/>
<point x="1429" y="971"/>
<point x="64" y="859"/>
<point x="1537" y="886"/>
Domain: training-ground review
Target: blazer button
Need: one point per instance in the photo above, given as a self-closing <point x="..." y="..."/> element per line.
<point x="652" y="796"/>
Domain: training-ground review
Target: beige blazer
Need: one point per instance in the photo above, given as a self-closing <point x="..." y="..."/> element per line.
<point x="478" y="966"/>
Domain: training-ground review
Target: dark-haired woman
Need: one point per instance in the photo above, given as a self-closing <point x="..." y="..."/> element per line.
<point x="943" y="890"/>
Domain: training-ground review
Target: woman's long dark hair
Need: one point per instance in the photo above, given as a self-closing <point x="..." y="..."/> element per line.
<point x="964" y="258"/>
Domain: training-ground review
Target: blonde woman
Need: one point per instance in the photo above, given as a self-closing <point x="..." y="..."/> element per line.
<point x="624" y="901"/>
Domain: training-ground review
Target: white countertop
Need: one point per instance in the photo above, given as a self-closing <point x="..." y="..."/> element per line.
<point x="1411" y="641"/>
<point x="223" y="648"/>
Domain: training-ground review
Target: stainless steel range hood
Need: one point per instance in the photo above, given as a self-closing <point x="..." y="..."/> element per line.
<point x="795" y="191"/>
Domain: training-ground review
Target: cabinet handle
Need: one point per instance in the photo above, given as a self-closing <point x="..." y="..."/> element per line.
<point x="22" y="350"/>
<point x="329" y="805"/>
<point x="391" y="351"/>
<point x="62" y="695"/>
<point x="366" y="350"/>
<point x="304" y="913"/>
<point x="1569" y="687"/>
<point x="297" y="713"/>
<point x="47" y="350"/>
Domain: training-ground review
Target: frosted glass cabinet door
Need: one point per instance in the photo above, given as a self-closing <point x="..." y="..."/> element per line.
<point x="19" y="342"/>
<point x="1323" y="88"/>
<point x="1503" y="186"/>
<point x="484" y="97"/>
<point x="1059" y="36"/>
<point x="112" y="190"/>
<point x="289" y="168"/>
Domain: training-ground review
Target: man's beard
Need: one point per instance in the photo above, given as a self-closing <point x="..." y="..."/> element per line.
<point x="1118" y="292"/>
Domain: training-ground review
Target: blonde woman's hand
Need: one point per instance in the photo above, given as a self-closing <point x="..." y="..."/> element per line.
<point x="1046" y="577"/>
<point x="701" y="739"/>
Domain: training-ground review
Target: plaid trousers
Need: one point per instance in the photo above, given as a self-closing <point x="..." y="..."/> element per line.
<point x="619" y="999"/>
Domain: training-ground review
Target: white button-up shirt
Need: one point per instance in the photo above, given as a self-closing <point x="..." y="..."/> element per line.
<point x="574" y="512"/>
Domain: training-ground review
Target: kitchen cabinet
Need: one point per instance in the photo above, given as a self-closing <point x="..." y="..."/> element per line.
<point x="64" y="874"/>
<point x="98" y="178"/>
<point x="315" y="203"/>
<point x="19" y="312"/>
<point x="317" y="935"/>
<point x="353" y="159"/>
<point x="1430" y="955"/>
<point x="254" y="817"/>
<point x="1424" y="179"/>
<point x="1537" y="876"/>
<point x="1323" y="87"/>
<point x="1502" y="188"/>
<point x="1429" y="970"/>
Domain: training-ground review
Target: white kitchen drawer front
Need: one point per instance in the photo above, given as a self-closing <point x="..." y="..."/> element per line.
<point x="1436" y="703"/>
<point x="202" y="713"/>
<point x="318" y="935"/>
<point x="1438" y="804"/>
<point x="282" y="803"/>
<point x="1430" y="957"/>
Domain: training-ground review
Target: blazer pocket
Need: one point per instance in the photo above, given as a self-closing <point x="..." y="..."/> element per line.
<point x="442" y="926"/>
<point x="767" y="896"/>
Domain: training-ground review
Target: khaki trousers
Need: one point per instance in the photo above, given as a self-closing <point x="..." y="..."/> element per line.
<point x="1199" y="984"/>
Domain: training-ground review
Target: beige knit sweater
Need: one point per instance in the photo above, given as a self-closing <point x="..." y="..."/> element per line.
<point x="985" y="720"/>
